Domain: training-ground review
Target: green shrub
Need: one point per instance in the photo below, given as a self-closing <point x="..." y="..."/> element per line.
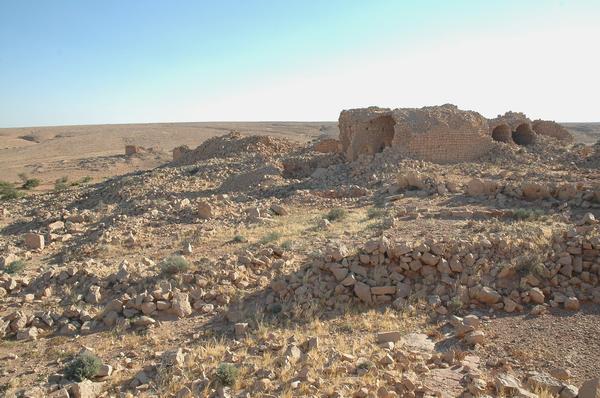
<point x="365" y="364"/>
<point x="15" y="267"/>
<point x="81" y="181"/>
<point x="240" y="239"/>
<point x="455" y="304"/>
<point x="375" y="212"/>
<point x="9" y="191"/>
<point x="270" y="237"/>
<point x="83" y="366"/>
<point x="30" y="183"/>
<point x="336" y="214"/>
<point x="275" y="308"/>
<point x="287" y="245"/>
<point x="175" y="265"/>
<point x="227" y="374"/>
<point x="528" y="214"/>
<point x="61" y="184"/>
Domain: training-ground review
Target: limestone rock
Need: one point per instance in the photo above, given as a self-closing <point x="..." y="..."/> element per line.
<point x="86" y="389"/>
<point x="205" y="210"/>
<point x="536" y="295"/>
<point x="34" y="241"/>
<point x="479" y="187"/>
<point x="590" y="388"/>
<point x="180" y="305"/>
<point x="475" y="337"/>
<point x="572" y="304"/>
<point x="488" y="295"/>
<point x="363" y="292"/>
<point x="386" y="337"/>
<point x="279" y="210"/>
<point x="542" y="381"/>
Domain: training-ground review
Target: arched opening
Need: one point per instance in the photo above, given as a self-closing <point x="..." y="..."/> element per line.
<point x="524" y="135"/>
<point x="502" y="133"/>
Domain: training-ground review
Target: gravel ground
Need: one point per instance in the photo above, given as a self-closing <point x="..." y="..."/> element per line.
<point x="559" y="339"/>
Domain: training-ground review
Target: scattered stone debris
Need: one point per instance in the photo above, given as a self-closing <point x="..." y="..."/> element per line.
<point x="382" y="264"/>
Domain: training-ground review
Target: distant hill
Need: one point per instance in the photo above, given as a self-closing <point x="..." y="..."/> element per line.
<point x="587" y="133"/>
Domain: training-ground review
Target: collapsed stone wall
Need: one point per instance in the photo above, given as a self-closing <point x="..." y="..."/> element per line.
<point x="511" y="119"/>
<point x="557" y="268"/>
<point x="232" y="145"/>
<point x="327" y="145"/>
<point x="134" y="149"/>
<point x="550" y="128"/>
<point x="518" y="121"/>
<point x="443" y="134"/>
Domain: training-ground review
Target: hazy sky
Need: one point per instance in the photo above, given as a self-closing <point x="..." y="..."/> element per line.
<point x="117" y="61"/>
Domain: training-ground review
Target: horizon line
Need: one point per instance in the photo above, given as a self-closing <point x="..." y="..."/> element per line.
<point x="216" y="121"/>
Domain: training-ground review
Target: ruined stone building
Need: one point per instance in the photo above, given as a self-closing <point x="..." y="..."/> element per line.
<point x="442" y="134"/>
<point x="516" y="127"/>
<point x="552" y="129"/>
<point x="512" y="127"/>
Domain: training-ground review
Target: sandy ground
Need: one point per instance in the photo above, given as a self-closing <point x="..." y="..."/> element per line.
<point x="586" y="133"/>
<point x="48" y="153"/>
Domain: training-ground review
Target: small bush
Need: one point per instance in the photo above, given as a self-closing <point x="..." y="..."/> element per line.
<point x="375" y="212"/>
<point x="15" y="267"/>
<point x="336" y="214"/>
<point x="365" y="364"/>
<point x="61" y="184"/>
<point x="227" y="374"/>
<point x="455" y="304"/>
<point x="31" y="183"/>
<point x="175" y="265"/>
<point x="270" y="237"/>
<point x="28" y="183"/>
<point x="83" y="366"/>
<point x="287" y="245"/>
<point x="8" y="191"/>
<point x="240" y="239"/>
<point x="528" y="214"/>
<point x="275" y="308"/>
<point x="81" y="181"/>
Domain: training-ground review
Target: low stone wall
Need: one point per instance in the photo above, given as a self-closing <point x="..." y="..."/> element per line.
<point x="548" y="268"/>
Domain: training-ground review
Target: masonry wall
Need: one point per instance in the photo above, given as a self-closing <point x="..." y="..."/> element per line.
<point x="444" y="146"/>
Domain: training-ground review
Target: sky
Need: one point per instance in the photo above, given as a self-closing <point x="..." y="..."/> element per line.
<point x="66" y="62"/>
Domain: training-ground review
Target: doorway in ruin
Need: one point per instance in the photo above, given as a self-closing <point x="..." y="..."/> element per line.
<point x="502" y="133"/>
<point x="524" y="135"/>
<point x="380" y="133"/>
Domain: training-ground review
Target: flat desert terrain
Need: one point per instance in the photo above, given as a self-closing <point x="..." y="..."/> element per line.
<point x="49" y="153"/>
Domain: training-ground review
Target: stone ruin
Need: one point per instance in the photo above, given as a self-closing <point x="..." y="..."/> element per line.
<point x="516" y="127"/>
<point x="179" y="151"/>
<point x="552" y="129"/>
<point x="512" y="127"/>
<point x="133" y="149"/>
<point x="441" y="134"/>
